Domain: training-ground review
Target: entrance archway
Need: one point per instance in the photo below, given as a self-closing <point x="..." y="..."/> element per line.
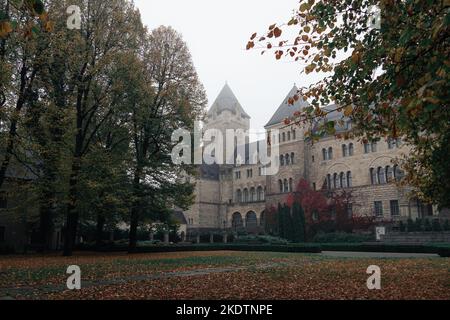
<point x="251" y="221"/>
<point x="237" y="222"/>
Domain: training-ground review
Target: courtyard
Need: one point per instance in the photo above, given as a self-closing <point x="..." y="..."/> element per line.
<point x="225" y="275"/>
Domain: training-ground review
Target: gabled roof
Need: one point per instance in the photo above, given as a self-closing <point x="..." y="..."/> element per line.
<point x="227" y="101"/>
<point x="286" y="110"/>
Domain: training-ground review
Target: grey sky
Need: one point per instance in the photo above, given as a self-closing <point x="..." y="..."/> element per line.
<point x="216" y="33"/>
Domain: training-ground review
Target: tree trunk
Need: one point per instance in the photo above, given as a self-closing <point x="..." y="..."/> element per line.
<point x="14" y="122"/>
<point x="135" y="211"/>
<point x="99" y="231"/>
<point x="133" y="229"/>
<point x="46" y="226"/>
<point x="72" y="212"/>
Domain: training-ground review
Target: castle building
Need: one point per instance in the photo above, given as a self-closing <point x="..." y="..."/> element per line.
<point x="236" y="197"/>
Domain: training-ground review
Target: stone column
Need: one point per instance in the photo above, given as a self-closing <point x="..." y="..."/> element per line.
<point x="225" y="238"/>
<point x="198" y="238"/>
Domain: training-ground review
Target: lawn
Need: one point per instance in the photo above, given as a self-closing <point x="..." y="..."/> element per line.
<point x="222" y="275"/>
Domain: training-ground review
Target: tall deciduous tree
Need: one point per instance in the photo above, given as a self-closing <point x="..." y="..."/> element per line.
<point x="171" y="98"/>
<point x="21" y="59"/>
<point x="108" y="29"/>
<point x="386" y="64"/>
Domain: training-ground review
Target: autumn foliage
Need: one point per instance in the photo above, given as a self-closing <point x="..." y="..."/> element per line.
<point x="318" y="212"/>
<point x="385" y="65"/>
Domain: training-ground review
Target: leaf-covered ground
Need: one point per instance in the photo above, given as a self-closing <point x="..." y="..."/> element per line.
<point x="223" y="275"/>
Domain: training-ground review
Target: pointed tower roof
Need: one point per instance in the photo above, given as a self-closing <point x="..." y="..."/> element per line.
<point x="286" y="110"/>
<point x="227" y="101"/>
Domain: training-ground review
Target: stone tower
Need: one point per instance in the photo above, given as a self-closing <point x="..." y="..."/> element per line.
<point x="227" y="113"/>
<point x="214" y="186"/>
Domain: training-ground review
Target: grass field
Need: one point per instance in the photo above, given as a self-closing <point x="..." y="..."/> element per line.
<point x="222" y="275"/>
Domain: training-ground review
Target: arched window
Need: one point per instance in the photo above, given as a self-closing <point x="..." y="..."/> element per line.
<point x="281" y="160"/>
<point x="246" y="195"/>
<point x="366" y="148"/>
<point x="292" y="158"/>
<point x="351" y="149"/>
<point x="289" y="136"/>
<point x="389" y="174"/>
<point x="288" y="159"/>
<point x="286" y="186"/>
<point x="252" y="195"/>
<point x="330" y="153"/>
<point x="239" y="196"/>
<point x="260" y="194"/>
<point x="291" y="185"/>
<point x="328" y="182"/>
<point x="381" y="175"/>
<point x="281" y="185"/>
<point x="335" y="181"/>
<point x="373" y="176"/>
<point x="284" y="136"/>
<point x="294" y="135"/>
<point x="262" y="220"/>
<point x="349" y="179"/>
<point x="344" y="150"/>
<point x="343" y="180"/>
<point x="325" y="154"/>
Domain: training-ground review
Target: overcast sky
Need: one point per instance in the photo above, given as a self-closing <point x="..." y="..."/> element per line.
<point x="217" y="32"/>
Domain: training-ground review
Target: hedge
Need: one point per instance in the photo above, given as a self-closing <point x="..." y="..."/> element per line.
<point x="442" y="250"/>
<point x="390" y="248"/>
<point x="341" y="237"/>
<point x="298" y="248"/>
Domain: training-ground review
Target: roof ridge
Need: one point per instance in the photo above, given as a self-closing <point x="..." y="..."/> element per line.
<point x="285" y="110"/>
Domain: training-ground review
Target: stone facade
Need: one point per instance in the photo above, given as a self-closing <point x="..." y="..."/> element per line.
<point x="236" y="197"/>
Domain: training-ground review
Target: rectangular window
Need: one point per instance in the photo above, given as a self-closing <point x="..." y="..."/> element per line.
<point x="3" y="201"/>
<point x="378" y="208"/>
<point x="395" y="208"/>
<point x="2" y="234"/>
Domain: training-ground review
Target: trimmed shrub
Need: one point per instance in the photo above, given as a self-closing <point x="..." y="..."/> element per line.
<point x="341" y="237"/>
<point x="446" y="225"/>
<point x="436" y="226"/>
<point x="261" y="240"/>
